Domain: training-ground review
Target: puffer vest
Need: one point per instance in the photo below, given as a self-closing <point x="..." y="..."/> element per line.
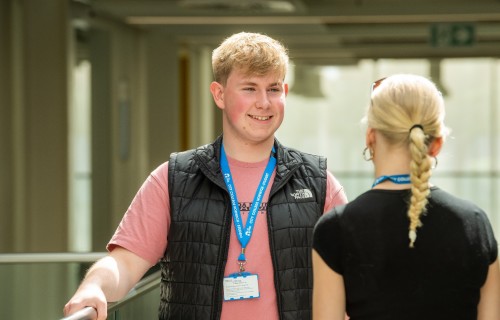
<point x="198" y="239"/>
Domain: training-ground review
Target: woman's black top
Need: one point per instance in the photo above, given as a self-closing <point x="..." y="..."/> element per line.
<point x="366" y="241"/>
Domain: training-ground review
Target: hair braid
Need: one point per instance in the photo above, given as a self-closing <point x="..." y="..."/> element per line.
<point x="420" y="172"/>
<point x="408" y="110"/>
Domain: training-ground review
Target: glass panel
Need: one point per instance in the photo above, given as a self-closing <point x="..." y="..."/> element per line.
<point x="468" y="114"/>
<point x="143" y="307"/>
<point x="40" y="291"/>
<point x="37" y="290"/>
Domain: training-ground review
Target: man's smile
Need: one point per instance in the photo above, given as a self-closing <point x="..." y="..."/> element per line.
<point x="261" y="118"/>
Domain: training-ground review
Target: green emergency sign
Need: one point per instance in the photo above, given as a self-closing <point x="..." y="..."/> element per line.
<point x="452" y="34"/>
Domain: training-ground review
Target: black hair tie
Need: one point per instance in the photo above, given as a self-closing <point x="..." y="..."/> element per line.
<point x="417" y="126"/>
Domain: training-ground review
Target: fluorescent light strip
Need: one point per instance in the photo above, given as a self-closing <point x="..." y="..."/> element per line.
<point x="282" y="20"/>
<point x="223" y="20"/>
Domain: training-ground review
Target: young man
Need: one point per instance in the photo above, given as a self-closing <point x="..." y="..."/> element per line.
<point x="231" y="222"/>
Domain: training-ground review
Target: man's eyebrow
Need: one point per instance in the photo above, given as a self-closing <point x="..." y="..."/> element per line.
<point x="252" y="83"/>
<point x="276" y="84"/>
<point x="248" y="83"/>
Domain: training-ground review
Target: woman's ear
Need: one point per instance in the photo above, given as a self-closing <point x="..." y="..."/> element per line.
<point x="435" y="146"/>
<point x="370" y="138"/>
<point x="217" y="91"/>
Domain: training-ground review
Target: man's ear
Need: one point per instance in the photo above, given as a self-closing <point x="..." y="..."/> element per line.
<point x="217" y="91"/>
<point x="286" y="89"/>
<point x="435" y="146"/>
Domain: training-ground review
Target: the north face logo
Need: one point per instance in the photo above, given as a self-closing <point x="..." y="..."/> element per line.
<point x="302" y="194"/>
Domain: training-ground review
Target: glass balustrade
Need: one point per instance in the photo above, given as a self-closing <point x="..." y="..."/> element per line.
<point x="36" y="286"/>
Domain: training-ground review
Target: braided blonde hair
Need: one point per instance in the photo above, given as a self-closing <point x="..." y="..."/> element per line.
<point x="408" y="109"/>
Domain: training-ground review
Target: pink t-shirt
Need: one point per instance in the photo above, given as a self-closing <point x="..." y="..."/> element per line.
<point x="143" y="230"/>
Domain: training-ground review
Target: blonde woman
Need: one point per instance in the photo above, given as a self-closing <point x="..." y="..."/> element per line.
<point x="405" y="249"/>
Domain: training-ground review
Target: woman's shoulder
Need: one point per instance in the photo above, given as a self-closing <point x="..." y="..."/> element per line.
<point x="443" y="199"/>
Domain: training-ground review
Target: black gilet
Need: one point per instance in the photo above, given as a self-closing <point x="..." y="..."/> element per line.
<point x="198" y="239"/>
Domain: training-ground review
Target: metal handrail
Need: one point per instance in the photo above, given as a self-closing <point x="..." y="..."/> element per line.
<point x="56" y="257"/>
<point x="87" y="313"/>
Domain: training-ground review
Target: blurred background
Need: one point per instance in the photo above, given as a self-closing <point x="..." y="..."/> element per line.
<point x="94" y="95"/>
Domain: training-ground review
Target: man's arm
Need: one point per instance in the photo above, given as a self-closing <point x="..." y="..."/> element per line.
<point x="335" y="194"/>
<point x="109" y="279"/>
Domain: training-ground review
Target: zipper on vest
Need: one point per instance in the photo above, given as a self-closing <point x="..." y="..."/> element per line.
<point x="273" y="257"/>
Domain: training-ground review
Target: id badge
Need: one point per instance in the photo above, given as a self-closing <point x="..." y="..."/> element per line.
<point x="238" y="286"/>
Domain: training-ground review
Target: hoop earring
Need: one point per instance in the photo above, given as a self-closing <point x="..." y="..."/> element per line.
<point x="370" y="155"/>
<point x="435" y="163"/>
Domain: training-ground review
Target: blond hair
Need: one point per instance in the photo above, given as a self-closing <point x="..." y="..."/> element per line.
<point x="251" y="53"/>
<point x="409" y="109"/>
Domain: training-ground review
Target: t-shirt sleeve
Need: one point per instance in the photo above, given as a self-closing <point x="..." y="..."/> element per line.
<point x="335" y="194"/>
<point x="144" y="227"/>
<point x="488" y="236"/>
<point x="327" y="239"/>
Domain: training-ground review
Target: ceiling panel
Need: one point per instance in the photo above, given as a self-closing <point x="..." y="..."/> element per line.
<point x="324" y="31"/>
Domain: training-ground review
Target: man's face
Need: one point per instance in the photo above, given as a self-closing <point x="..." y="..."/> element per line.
<point x="253" y="106"/>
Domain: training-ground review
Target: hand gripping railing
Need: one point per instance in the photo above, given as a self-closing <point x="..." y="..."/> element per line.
<point x="147" y="284"/>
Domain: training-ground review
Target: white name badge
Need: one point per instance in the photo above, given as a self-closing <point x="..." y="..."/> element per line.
<point x="240" y="286"/>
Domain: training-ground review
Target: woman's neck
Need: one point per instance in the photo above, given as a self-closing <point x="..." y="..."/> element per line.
<point x="395" y="162"/>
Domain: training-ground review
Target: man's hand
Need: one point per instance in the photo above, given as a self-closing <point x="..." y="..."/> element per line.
<point x="109" y="279"/>
<point x="88" y="295"/>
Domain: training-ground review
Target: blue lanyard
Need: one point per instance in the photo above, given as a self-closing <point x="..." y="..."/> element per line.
<point x="397" y="178"/>
<point x="245" y="233"/>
